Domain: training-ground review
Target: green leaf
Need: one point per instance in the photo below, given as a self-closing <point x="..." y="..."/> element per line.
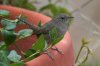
<point x="40" y="24"/>
<point x="40" y="44"/>
<point x="19" y="3"/>
<point x="53" y="33"/>
<point x="9" y="21"/>
<point x="3" y="64"/>
<point x="22" y="17"/>
<point x="9" y="36"/>
<point x="31" y="52"/>
<point x="3" y="58"/>
<point x="55" y="41"/>
<point x="85" y="42"/>
<point x="8" y="24"/>
<point x="2" y="45"/>
<point x="30" y="6"/>
<point x="25" y="33"/>
<point x="4" y="13"/>
<point x="45" y="7"/>
<point x="24" y="4"/>
<point x="54" y="9"/>
<point x="64" y="10"/>
<point x="51" y="7"/>
<point x="13" y="56"/>
<point x="17" y="64"/>
<point x="81" y="65"/>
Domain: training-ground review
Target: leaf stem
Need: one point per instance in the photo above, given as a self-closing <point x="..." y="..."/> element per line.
<point x="88" y="52"/>
<point x="79" y="53"/>
<point x="28" y="58"/>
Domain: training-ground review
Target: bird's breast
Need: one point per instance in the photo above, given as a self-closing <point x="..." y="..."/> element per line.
<point x="61" y="28"/>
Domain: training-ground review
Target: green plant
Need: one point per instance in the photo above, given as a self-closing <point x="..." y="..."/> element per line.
<point x="10" y="36"/>
<point x="84" y="59"/>
<point x="54" y="9"/>
<point x="19" y="3"/>
<point x="50" y="8"/>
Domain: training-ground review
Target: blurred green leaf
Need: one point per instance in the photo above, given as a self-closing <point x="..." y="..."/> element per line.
<point x="30" y="6"/>
<point x="4" y="13"/>
<point x="9" y="36"/>
<point x="40" y="24"/>
<point x="18" y="3"/>
<point x="64" y="10"/>
<point x="25" y="33"/>
<point x="53" y="33"/>
<point x="17" y="64"/>
<point x="40" y="44"/>
<point x="22" y="17"/>
<point x="55" y="41"/>
<point x="3" y="58"/>
<point x="85" y="42"/>
<point x="29" y="52"/>
<point x="45" y="7"/>
<point x="55" y="10"/>
<point x="9" y="21"/>
<point x="81" y="65"/>
<point x="8" y="24"/>
<point x="2" y="45"/>
<point x="23" y="4"/>
<point x="3" y="64"/>
<point x="13" y="56"/>
<point x="50" y="7"/>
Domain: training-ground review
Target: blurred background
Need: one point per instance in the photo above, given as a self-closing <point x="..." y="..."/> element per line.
<point x="85" y="24"/>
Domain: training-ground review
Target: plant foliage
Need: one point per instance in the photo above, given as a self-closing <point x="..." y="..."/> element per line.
<point x="10" y="36"/>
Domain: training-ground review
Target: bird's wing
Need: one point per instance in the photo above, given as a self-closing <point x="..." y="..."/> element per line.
<point x="45" y="28"/>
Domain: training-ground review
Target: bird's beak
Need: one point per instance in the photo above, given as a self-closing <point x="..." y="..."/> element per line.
<point x="70" y="17"/>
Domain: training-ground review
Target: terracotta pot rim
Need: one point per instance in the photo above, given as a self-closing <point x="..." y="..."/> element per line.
<point x="65" y="44"/>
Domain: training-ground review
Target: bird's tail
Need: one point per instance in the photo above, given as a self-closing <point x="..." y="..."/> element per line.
<point x="31" y="26"/>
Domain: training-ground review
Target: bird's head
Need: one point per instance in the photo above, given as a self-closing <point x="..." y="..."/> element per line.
<point x="62" y="18"/>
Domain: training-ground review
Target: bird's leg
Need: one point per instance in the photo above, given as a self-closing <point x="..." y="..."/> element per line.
<point x="58" y="50"/>
<point x="49" y="54"/>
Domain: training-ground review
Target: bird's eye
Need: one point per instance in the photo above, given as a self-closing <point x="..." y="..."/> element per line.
<point x="62" y="18"/>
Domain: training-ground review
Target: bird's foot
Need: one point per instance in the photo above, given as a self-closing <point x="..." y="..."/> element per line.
<point x="58" y="50"/>
<point x="49" y="54"/>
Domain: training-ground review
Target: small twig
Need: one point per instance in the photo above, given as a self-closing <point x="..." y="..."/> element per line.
<point x="79" y="54"/>
<point x="84" y="43"/>
<point x="88" y="52"/>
